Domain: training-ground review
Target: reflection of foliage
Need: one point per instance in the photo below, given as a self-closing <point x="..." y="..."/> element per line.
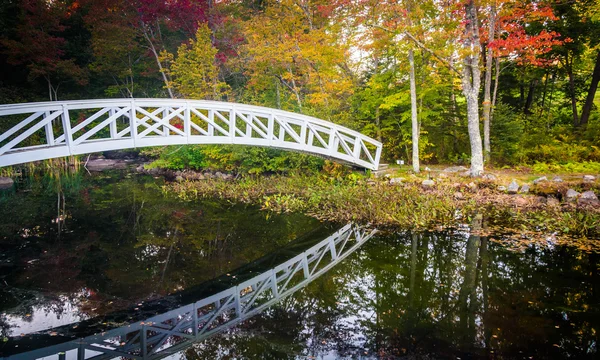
<point x="431" y="295"/>
<point x="127" y="241"/>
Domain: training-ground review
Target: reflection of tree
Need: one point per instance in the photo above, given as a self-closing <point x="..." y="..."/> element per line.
<point x="434" y="295"/>
<point x="127" y="240"/>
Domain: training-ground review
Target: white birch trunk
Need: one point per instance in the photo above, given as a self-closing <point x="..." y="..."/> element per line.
<point x="413" y="110"/>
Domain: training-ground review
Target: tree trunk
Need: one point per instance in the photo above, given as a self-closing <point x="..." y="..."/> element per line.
<point x="487" y="101"/>
<point x="471" y="84"/>
<point x="160" y="67"/>
<point x="378" y="124"/>
<point x="413" y="110"/>
<point x="572" y="91"/>
<point x="589" y="101"/>
<point x="529" y="101"/>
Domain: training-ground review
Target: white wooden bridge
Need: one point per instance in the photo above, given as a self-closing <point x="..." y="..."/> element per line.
<point x="38" y="131"/>
<point x="175" y="330"/>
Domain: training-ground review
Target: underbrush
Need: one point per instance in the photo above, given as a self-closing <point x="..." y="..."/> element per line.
<point x="409" y="206"/>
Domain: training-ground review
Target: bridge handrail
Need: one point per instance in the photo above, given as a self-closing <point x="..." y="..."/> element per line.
<point x="356" y="148"/>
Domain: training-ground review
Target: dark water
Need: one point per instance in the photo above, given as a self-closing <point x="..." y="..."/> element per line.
<point x="90" y="253"/>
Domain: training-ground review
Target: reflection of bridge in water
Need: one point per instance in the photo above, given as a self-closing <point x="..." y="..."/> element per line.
<point x="48" y="130"/>
<point x="175" y="330"/>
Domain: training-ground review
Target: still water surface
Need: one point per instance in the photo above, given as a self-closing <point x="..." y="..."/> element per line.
<point x="94" y="253"/>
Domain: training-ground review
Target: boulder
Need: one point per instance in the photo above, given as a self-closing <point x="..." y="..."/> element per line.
<point x="524" y="189"/>
<point x="455" y="169"/>
<point x="179" y="178"/>
<point x="105" y="164"/>
<point x="501" y="188"/>
<point x="539" y="180"/>
<point x="490" y="177"/>
<point x="428" y="183"/>
<point x="557" y="179"/>
<point x="513" y="187"/>
<point x="571" y="195"/>
<point x="589" y="178"/>
<point x="588" y="198"/>
<point x="6" y="182"/>
<point x="396" y="181"/>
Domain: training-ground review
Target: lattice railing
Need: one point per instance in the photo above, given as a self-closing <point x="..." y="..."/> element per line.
<point x="175" y="330"/>
<point x="37" y="131"/>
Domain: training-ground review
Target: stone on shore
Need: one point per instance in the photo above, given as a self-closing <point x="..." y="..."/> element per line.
<point x="455" y="169"/>
<point x="524" y="189"/>
<point x="501" y="188"/>
<point x="396" y="181"/>
<point x="589" y="178"/>
<point x="513" y="187"/>
<point x="557" y="179"/>
<point x="6" y="182"/>
<point x="539" y="180"/>
<point x="588" y="198"/>
<point x="571" y="195"/>
<point x="490" y="177"/>
<point x="105" y="164"/>
<point x="428" y="183"/>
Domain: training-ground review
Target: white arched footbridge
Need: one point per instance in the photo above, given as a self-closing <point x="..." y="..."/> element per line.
<point x="38" y="131"/>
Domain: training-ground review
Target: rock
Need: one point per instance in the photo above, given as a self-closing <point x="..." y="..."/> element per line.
<point x="552" y="201"/>
<point x="428" y="183"/>
<point x="442" y="176"/>
<point x="227" y="177"/>
<point x="140" y="169"/>
<point x="395" y="181"/>
<point x="571" y="195"/>
<point x="219" y="175"/>
<point x="589" y="178"/>
<point x="501" y="188"/>
<point x="524" y="189"/>
<point x="557" y="179"/>
<point x="458" y="195"/>
<point x="6" y="182"/>
<point x="472" y="186"/>
<point x="588" y="198"/>
<point x="513" y="187"/>
<point x="539" y="180"/>
<point x="490" y="177"/>
<point x="179" y="178"/>
<point x="154" y="171"/>
<point x="105" y="164"/>
<point x="455" y="169"/>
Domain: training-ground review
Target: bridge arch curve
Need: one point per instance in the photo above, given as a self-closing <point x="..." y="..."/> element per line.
<point x="48" y="130"/>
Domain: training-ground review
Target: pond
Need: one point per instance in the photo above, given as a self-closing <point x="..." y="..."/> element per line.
<point x="112" y="264"/>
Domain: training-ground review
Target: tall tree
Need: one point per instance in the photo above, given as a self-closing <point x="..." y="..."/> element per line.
<point x="40" y="46"/>
<point x="194" y="72"/>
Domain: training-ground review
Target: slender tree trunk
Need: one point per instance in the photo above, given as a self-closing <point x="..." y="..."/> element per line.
<point x="589" y="101"/>
<point x="495" y="92"/>
<point x="160" y="67"/>
<point x="378" y="124"/>
<point x="487" y="101"/>
<point x="471" y="83"/>
<point x="529" y="101"/>
<point x="572" y="91"/>
<point x="414" y="117"/>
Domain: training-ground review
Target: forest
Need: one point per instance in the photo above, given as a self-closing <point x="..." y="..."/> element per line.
<point x="494" y="82"/>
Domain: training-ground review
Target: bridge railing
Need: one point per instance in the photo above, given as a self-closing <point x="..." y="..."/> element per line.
<point x="37" y="131"/>
<point x="175" y="330"/>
